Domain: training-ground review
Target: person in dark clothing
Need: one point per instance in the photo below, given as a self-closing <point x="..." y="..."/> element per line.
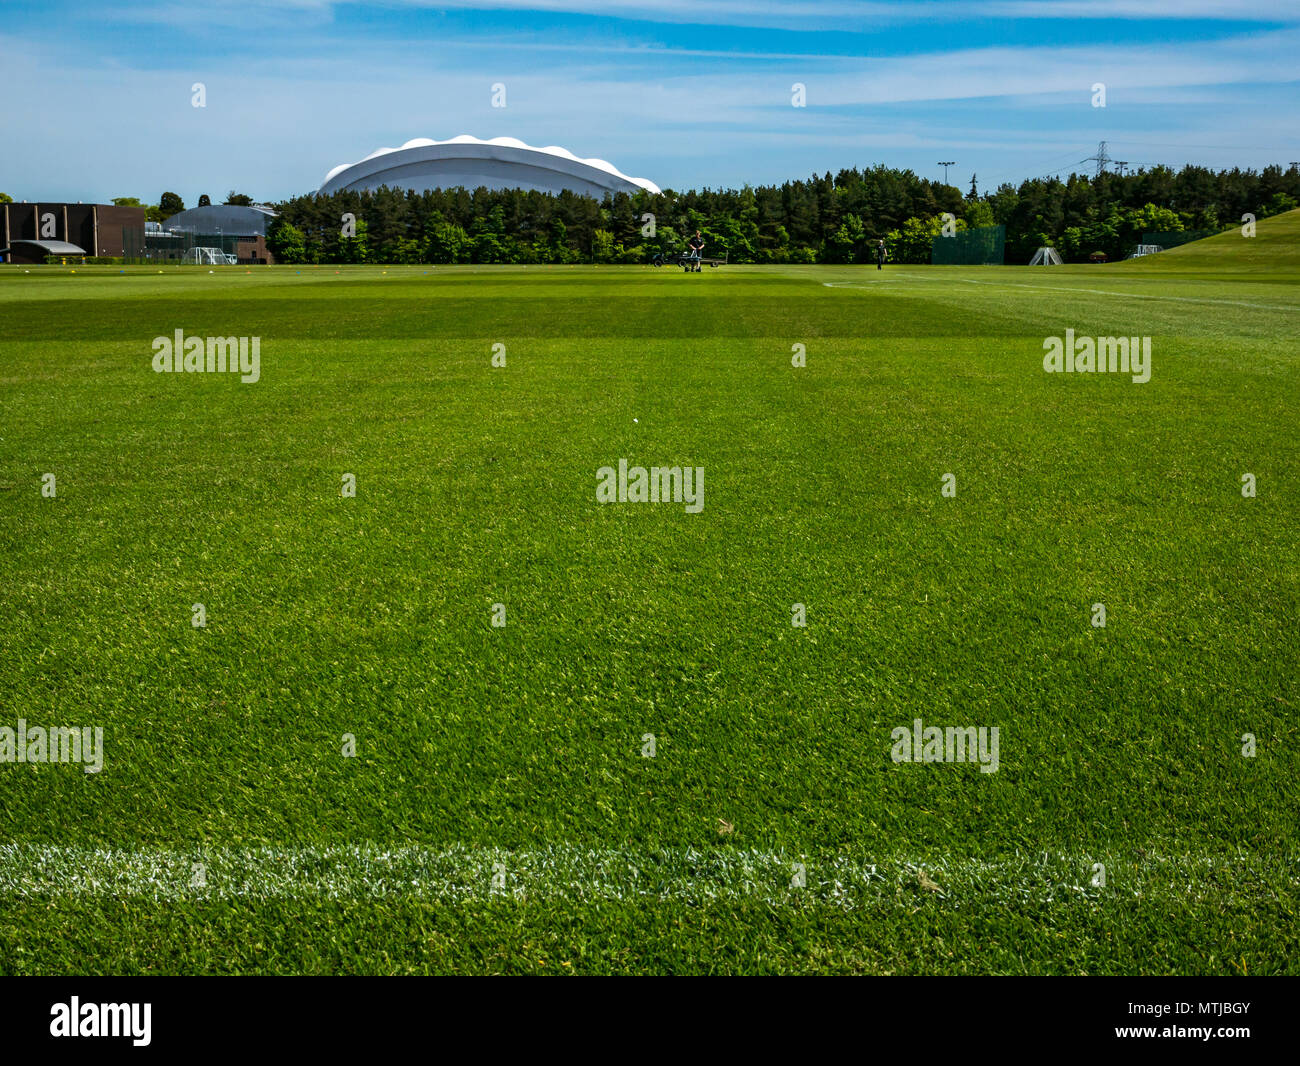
<point x="696" y="245"/>
<point x="880" y="255"/>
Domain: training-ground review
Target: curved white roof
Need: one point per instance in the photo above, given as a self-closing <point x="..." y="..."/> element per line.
<point x="499" y="163"/>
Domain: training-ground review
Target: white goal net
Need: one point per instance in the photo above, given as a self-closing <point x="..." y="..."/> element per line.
<point x="1046" y="257"/>
<point x="205" y="256"/>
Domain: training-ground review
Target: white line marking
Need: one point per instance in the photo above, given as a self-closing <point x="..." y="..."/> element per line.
<point x="568" y="872"/>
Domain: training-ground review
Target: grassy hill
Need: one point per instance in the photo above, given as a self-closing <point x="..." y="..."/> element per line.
<point x="1273" y="251"/>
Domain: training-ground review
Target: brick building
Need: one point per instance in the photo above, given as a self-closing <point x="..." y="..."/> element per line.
<point x="92" y="229"/>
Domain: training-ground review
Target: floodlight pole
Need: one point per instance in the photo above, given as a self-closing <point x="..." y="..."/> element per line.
<point x="946" y="164"/>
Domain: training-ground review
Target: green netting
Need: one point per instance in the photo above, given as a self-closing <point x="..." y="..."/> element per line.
<point x="971" y="247"/>
<point x="1173" y="240"/>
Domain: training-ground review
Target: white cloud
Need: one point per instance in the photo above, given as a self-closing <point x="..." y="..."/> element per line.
<point x="273" y="129"/>
<point x="850" y="15"/>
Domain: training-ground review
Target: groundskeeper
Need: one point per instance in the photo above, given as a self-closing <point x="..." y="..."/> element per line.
<point x="696" y="245"/>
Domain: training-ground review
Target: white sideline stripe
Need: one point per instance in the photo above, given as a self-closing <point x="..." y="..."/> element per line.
<point x="576" y="873"/>
<point x="1065" y="288"/>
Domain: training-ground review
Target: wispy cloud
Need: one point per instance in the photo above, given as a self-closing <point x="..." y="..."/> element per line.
<point x="843" y="15"/>
<point x="326" y="82"/>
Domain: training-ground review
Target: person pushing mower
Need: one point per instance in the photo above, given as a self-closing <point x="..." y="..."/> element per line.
<point x="696" y="246"/>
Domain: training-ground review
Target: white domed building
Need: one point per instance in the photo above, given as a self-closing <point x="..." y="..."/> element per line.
<point x="470" y="163"/>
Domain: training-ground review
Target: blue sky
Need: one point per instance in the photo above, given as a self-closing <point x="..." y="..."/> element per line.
<point x="96" y="102"/>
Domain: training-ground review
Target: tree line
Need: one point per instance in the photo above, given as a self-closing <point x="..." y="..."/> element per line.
<point x="170" y="203"/>
<point x="821" y="220"/>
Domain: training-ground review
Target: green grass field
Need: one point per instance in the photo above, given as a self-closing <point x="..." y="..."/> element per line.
<point x="500" y="813"/>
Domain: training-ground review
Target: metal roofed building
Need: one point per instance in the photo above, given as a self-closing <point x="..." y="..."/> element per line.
<point x="35" y="252"/>
<point x="233" y="219"/>
<point x="470" y="163"/>
<point x="236" y="229"/>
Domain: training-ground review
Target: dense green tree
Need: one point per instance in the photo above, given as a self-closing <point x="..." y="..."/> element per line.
<point x="602" y="246"/>
<point x="286" y="241"/>
<point x="912" y="241"/>
<point x="170" y="204"/>
<point x="355" y="248"/>
<point x="978" y="213"/>
<point x="849" y="242"/>
<point x="447" y="243"/>
<point x="1279" y="202"/>
<point x="823" y="219"/>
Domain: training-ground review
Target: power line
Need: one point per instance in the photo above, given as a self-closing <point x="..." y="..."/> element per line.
<point x="1223" y="147"/>
<point x="1000" y="178"/>
<point x="1101" y="159"/>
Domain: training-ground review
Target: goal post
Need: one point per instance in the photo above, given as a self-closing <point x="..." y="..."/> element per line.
<point x="205" y="256"/>
<point x="1046" y="257"/>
